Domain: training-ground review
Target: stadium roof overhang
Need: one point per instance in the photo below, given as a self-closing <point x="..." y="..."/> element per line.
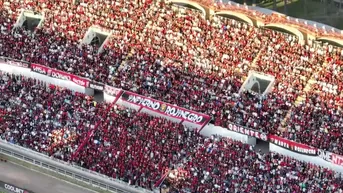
<point x="287" y="28"/>
<point x="196" y="5"/>
<point x="338" y="42"/>
<point x="236" y="15"/>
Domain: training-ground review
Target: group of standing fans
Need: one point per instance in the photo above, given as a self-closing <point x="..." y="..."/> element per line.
<point x="139" y="149"/>
<point x="177" y="56"/>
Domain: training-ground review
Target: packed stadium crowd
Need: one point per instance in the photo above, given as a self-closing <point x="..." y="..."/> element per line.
<point x="318" y="120"/>
<point x="138" y="148"/>
<point x="177" y="56"/>
<point x="34" y="109"/>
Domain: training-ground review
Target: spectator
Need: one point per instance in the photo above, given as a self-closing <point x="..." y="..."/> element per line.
<point x="175" y="55"/>
<point x="139" y="149"/>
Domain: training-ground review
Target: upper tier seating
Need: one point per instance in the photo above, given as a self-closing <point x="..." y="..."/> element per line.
<point x="177" y="56"/>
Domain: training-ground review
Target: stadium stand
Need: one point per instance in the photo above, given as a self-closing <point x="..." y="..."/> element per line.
<point x="317" y="120"/>
<point x="38" y="109"/>
<point x="209" y="90"/>
<point x="136" y="148"/>
<point x="177" y="56"/>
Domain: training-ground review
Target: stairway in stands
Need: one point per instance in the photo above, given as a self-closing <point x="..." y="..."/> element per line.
<point x="253" y="64"/>
<point x="132" y="51"/>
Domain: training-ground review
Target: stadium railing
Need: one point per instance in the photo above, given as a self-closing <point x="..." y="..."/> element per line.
<point x="67" y="169"/>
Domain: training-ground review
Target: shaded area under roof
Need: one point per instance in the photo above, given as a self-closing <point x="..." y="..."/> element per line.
<point x="269" y="12"/>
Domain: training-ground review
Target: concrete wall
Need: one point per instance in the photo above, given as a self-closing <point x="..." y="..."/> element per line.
<point x="58" y="82"/>
<point x="211" y="129"/>
<point x="311" y="159"/>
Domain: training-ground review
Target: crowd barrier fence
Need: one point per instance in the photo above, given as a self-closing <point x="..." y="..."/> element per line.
<point x="67" y="169"/>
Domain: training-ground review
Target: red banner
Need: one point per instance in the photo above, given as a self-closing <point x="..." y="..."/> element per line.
<point x="166" y="108"/>
<point x="13" y="62"/>
<point x="337" y="159"/>
<point x="330" y="157"/>
<point x="59" y="74"/>
<point x="293" y="146"/>
<point x="111" y="90"/>
<point x="40" y="69"/>
<point x="17" y="63"/>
